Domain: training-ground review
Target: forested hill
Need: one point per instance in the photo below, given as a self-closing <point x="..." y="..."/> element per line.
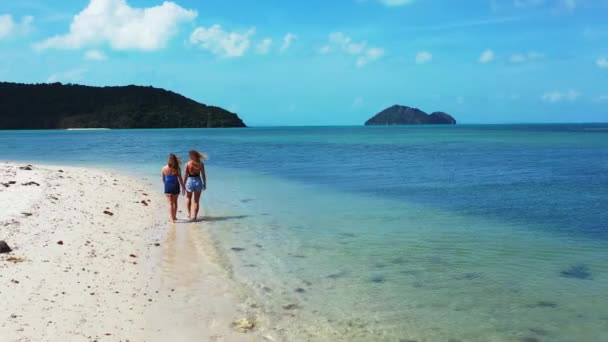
<point x="56" y="106"/>
<point x="404" y="115"/>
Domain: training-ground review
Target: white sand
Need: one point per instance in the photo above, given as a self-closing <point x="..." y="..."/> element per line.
<point x="108" y="281"/>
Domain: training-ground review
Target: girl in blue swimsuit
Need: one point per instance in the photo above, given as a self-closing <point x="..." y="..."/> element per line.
<point x="174" y="184"/>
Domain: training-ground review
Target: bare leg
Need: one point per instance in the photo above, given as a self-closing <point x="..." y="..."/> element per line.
<point x="197" y="199"/>
<point x="174" y="206"/>
<point x="170" y="202"/>
<point x="189" y="203"/>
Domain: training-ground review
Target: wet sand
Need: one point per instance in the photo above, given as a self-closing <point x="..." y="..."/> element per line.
<point x="94" y="258"/>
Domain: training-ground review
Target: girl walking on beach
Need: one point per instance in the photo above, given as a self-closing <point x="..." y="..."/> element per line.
<point x="196" y="182"/>
<point x="174" y="184"/>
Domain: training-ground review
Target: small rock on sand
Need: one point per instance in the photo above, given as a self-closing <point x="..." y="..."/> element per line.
<point x="291" y="306"/>
<point x="107" y="212"/>
<point x="244" y="324"/>
<point x="27" y="167"/>
<point x="60" y="242"/>
<point x="4" y="247"/>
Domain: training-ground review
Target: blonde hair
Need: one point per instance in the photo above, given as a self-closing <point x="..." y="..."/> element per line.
<point x="174" y="163"/>
<point x="196" y="157"/>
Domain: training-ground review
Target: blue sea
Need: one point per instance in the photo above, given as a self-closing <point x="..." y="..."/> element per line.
<point x="422" y="233"/>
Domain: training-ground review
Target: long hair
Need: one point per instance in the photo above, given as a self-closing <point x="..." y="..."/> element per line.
<point x="196" y="157"/>
<point x="174" y="163"/>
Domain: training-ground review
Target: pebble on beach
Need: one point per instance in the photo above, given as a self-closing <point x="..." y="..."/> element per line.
<point x="244" y="324"/>
<point x="4" y="247"/>
<point x="291" y="306"/>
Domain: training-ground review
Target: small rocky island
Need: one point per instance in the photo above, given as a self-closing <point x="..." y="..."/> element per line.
<point x="403" y="115"/>
<point x="61" y="106"/>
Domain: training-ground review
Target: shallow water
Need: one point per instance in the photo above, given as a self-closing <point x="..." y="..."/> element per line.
<point x="472" y="233"/>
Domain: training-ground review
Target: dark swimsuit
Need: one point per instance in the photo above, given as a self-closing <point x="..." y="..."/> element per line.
<point x="171" y="185"/>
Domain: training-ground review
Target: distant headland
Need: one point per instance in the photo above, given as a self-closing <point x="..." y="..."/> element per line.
<point x="403" y="115"/>
<point x="63" y="106"/>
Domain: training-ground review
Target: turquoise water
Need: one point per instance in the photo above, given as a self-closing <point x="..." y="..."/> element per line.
<point x="471" y="233"/>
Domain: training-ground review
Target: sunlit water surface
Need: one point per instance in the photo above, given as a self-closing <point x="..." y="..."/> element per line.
<point x="467" y="233"/>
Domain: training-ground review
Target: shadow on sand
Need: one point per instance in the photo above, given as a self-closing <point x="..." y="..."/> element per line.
<point x="221" y="218"/>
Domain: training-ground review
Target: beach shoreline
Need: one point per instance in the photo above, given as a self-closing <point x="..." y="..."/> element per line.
<point x="94" y="258"/>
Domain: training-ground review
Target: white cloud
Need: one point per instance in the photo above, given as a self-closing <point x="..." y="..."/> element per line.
<point x="602" y="98"/>
<point x="602" y="62"/>
<point x="70" y="76"/>
<point x="220" y="42"/>
<point x="9" y="27"/>
<point x="423" y="57"/>
<point x="594" y="34"/>
<point x="558" y="96"/>
<point x="569" y="4"/>
<point x="355" y="48"/>
<point x="263" y="47"/>
<point x="486" y="56"/>
<point x="528" y="3"/>
<point x="6" y="25"/>
<point x="26" y="24"/>
<point x="339" y="42"/>
<point x="555" y="5"/>
<point x="518" y="58"/>
<point x="394" y="3"/>
<point x="122" y="27"/>
<point x="287" y="40"/>
<point x="339" y="38"/>
<point x="325" y="49"/>
<point x="370" y="55"/>
<point x="95" y="55"/>
<point x="495" y="6"/>
<point x="526" y="57"/>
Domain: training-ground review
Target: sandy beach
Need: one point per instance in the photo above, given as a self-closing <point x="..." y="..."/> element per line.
<point x="95" y="259"/>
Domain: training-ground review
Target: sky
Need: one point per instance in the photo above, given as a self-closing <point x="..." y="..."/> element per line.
<point x="326" y="62"/>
